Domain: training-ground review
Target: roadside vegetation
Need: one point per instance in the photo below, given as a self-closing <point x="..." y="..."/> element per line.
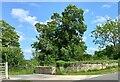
<point x="61" y="40"/>
<point x="63" y="72"/>
<point x="89" y="72"/>
<point x="21" y="71"/>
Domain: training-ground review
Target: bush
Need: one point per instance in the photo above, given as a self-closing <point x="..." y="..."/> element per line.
<point x="64" y="64"/>
<point x="60" y="72"/>
<point x="60" y="63"/>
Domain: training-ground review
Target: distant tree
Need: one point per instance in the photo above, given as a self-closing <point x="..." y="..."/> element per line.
<point x="107" y="53"/>
<point x="10" y="47"/>
<point x="61" y="38"/>
<point x="108" y="34"/>
<point x="86" y="57"/>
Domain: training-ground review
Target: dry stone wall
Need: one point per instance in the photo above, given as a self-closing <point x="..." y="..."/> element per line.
<point x="73" y="67"/>
<point x="87" y="66"/>
<point x="45" y="70"/>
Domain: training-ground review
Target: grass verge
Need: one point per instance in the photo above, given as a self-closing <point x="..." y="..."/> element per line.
<point x="62" y="72"/>
<point x="21" y="72"/>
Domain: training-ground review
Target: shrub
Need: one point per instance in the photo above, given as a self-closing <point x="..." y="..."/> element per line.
<point x="60" y="63"/>
<point x="64" y="64"/>
<point x="60" y="72"/>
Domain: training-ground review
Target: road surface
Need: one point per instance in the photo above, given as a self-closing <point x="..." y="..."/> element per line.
<point x="112" y="76"/>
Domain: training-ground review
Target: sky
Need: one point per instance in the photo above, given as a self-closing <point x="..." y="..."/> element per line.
<point x="23" y="16"/>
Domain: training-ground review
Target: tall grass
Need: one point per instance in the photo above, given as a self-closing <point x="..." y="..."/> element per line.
<point x="21" y="70"/>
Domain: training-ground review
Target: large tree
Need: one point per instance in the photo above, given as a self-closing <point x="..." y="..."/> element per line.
<point x="108" y="34"/>
<point x="9" y="36"/>
<point x="11" y="51"/>
<point x="61" y="38"/>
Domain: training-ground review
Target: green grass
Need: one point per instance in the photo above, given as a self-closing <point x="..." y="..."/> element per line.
<point x="62" y="72"/>
<point x="21" y="72"/>
<point x="89" y="72"/>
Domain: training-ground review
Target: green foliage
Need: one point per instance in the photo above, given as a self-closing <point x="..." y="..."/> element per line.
<point x="86" y="57"/>
<point x="61" y="38"/>
<point x="49" y="61"/>
<point x="60" y="63"/>
<point x="100" y="55"/>
<point x="107" y="53"/>
<point x="89" y="72"/>
<point x="105" y="35"/>
<point x="60" y="72"/>
<point x="32" y="63"/>
<point x="9" y="37"/>
<point x="21" y="71"/>
<point x="65" y="64"/>
<point x="12" y="55"/>
<point x="10" y="49"/>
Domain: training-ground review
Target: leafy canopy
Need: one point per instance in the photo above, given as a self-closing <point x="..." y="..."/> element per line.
<point x="10" y="47"/>
<point x="107" y="35"/>
<point x="9" y="37"/>
<point x="61" y="38"/>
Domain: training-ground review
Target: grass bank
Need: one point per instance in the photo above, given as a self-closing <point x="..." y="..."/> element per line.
<point x="21" y="72"/>
<point x="62" y="72"/>
<point x="89" y="72"/>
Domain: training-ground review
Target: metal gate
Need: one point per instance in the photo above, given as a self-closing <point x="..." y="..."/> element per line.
<point x="3" y="70"/>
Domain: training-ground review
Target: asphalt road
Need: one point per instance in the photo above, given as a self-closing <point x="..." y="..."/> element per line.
<point x="51" y="77"/>
<point x="113" y="77"/>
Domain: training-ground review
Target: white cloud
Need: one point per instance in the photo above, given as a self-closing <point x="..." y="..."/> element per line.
<point x="87" y="11"/>
<point x="23" y="16"/>
<point x="84" y="38"/>
<point x="99" y="24"/>
<point x="35" y="30"/>
<point x="34" y="5"/>
<point x="21" y="35"/>
<point x="91" y="50"/>
<point x="101" y="19"/>
<point x="28" y="53"/>
<point x="33" y="39"/>
<point x="107" y="6"/>
<point x="27" y="50"/>
<point x="21" y="38"/>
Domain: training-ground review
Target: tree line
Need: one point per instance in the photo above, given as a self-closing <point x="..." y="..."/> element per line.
<point x="62" y="39"/>
<point x="10" y="46"/>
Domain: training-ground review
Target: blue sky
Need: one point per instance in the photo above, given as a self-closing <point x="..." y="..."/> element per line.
<point x="23" y="16"/>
